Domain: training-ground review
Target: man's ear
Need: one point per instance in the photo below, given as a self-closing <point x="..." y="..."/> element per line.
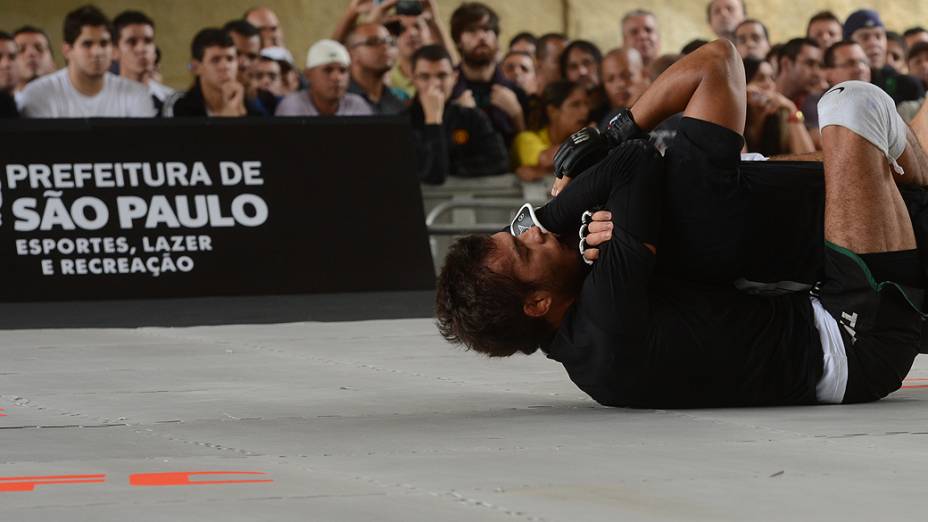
<point x="537" y="303"/>
<point x="65" y="49"/>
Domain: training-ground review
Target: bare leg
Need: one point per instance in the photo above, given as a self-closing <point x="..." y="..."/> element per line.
<point x="864" y="211"/>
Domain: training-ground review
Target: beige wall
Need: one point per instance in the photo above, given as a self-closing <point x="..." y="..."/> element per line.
<point x="305" y="21"/>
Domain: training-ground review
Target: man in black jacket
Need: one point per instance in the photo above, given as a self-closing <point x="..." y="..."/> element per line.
<point x="657" y="321"/>
<point x="449" y="139"/>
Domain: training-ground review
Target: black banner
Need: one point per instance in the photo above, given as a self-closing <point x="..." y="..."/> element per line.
<point x="103" y="209"/>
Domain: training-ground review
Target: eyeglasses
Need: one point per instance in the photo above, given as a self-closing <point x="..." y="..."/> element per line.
<point x="851" y="64"/>
<point x="377" y="41"/>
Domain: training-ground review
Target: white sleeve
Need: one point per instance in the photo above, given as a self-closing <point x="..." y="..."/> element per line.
<point x="140" y="104"/>
<point x="34" y="104"/>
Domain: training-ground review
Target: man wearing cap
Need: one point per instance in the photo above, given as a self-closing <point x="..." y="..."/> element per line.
<point x="865" y="27"/>
<point x="327" y="65"/>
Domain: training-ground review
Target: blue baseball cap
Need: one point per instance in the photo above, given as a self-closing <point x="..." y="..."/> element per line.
<point x="861" y="19"/>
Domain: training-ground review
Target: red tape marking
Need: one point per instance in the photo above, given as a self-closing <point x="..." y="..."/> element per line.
<point x="29" y="483"/>
<point x="183" y="478"/>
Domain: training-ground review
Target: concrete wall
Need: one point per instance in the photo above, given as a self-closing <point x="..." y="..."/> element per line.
<point x="305" y="21"/>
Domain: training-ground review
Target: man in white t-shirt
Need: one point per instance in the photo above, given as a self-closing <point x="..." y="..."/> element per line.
<point x="84" y="89"/>
<point x="136" y="53"/>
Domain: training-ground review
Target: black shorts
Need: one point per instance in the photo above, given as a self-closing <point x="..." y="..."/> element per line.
<point x="880" y="321"/>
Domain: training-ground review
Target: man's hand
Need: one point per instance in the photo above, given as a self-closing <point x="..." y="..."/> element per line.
<point x="233" y="94"/>
<point x="433" y="105"/>
<point x="507" y="101"/>
<point x="466" y="99"/>
<point x="598" y="232"/>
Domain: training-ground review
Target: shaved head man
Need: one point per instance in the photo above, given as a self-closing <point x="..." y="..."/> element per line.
<point x="624" y="77"/>
<point x="267" y="22"/>
<point x="724" y="16"/>
<point x="639" y="31"/>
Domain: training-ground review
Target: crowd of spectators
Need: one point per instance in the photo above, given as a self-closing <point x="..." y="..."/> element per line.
<point x="497" y="110"/>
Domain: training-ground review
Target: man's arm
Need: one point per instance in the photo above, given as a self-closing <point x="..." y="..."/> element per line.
<point x="707" y="84"/>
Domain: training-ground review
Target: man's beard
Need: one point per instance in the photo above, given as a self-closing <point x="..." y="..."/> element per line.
<point x="475" y="59"/>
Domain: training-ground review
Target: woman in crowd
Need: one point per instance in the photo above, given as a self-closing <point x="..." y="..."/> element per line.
<point x="772" y="126"/>
<point x="564" y="109"/>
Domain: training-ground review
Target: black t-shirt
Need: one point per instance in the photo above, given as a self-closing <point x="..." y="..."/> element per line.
<point x="8" y="106"/>
<point x="638" y="339"/>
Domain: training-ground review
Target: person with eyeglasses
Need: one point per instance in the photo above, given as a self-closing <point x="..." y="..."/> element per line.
<point x="373" y="54"/>
<point x="845" y="61"/>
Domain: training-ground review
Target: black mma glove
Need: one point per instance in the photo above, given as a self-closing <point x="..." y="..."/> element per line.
<point x="588" y="146"/>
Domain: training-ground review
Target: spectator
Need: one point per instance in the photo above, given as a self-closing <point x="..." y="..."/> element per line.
<point x="524" y="42"/>
<point x="247" y="40"/>
<point x="845" y="61"/>
<point x="327" y="65"/>
<point x="475" y="31"/>
<point x="640" y="31"/>
<point x="267" y="23"/>
<point x="565" y="109"/>
<point x="266" y="75"/>
<point x="913" y="35"/>
<point x="216" y="92"/>
<point x="449" y="139"/>
<point x="774" y="125"/>
<point x="548" y="57"/>
<point x="519" y="68"/>
<point x="752" y="39"/>
<point x="825" y="28"/>
<point x="35" y="55"/>
<point x="8" y="72"/>
<point x="895" y="52"/>
<point x="660" y="65"/>
<point x="624" y="79"/>
<point x="373" y="55"/>
<point x="918" y="62"/>
<point x="866" y="28"/>
<point x="724" y="16"/>
<point x="85" y="89"/>
<point x="800" y="70"/>
<point x="267" y="83"/>
<point x="411" y="33"/>
<point x="580" y="63"/>
<point x="136" y="53"/>
<point x="289" y="76"/>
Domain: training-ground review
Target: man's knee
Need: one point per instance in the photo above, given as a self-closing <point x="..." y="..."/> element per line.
<point x="867" y="111"/>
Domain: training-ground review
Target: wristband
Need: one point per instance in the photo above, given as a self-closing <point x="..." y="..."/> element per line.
<point x="524" y="220"/>
<point x="622" y="128"/>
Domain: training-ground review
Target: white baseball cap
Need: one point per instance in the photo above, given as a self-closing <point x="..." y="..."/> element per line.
<point x="277" y="53"/>
<point x="327" y="51"/>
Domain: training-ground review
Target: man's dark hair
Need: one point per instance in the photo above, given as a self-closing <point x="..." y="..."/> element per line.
<point x="86" y="16"/>
<point x="127" y="18"/>
<point x="209" y="37"/>
<point x="242" y="28"/>
<point x="792" y="48"/>
<point x="583" y="46"/>
<point x="468" y="15"/>
<point x="554" y="95"/>
<point x="524" y="35"/>
<point x="830" y="52"/>
<point x="430" y="53"/>
<point x="751" y="66"/>
<point x="5" y="35"/>
<point x="541" y="45"/>
<point x="917" y="49"/>
<point x="31" y="29"/>
<point x="754" y="21"/>
<point x="483" y="310"/>
<point x="823" y="16"/>
<point x="692" y="45"/>
<point x="744" y="10"/>
<point x="914" y="30"/>
<point x="893" y="36"/>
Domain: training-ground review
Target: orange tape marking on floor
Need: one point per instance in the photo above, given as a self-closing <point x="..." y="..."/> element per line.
<point x="29" y="483"/>
<point x="183" y="478"/>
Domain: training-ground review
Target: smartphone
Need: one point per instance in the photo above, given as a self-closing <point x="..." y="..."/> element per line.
<point x="409" y="7"/>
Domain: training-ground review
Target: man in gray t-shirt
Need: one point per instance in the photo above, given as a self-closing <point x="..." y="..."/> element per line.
<point x="84" y="89"/>
<point x="327" y="71"/>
